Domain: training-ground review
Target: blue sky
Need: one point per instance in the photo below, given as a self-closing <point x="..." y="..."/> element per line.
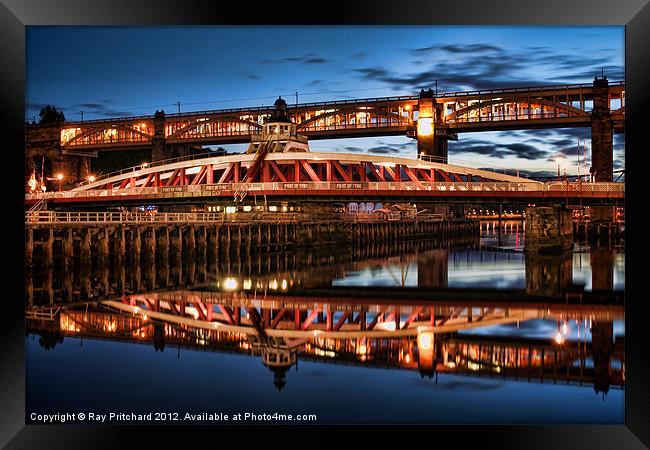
<point x="116" y="71"/>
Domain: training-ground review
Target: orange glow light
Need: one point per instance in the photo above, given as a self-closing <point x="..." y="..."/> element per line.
<point x="425" y="126"/>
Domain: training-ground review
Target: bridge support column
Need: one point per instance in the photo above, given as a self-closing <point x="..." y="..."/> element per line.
<point x="430" y="143"/>
<point x="163" y="245"/>
<point x="191" y="242"/>
<point x="103" y="246"/>
<point x="202" y="243"/>
<point x="136" y="245"/>
<point x="214" y="243"/>
<point x="122" y="248"/>
<point x="150" y="242"/>
<point x="602" y="133"/>
<point x="29" y="246"/>
<point x="548" y="229"/>
<point x="159" y="150"/>
<point x="602" y="145"/>
<point x="48" y="244"/>
<point x="84" y="247"/>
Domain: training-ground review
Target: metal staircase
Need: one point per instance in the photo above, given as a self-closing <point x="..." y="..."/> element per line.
<point x="38" y="206"/>
<point x="253" y="170"/>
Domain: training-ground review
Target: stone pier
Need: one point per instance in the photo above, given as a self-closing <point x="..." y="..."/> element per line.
<point x="549" y="229"/>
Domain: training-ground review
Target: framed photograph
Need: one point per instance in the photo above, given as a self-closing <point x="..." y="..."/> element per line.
<point x="413" y="217"/>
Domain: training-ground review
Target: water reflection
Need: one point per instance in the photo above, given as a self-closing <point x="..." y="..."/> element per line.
<point x="475" y="310"/>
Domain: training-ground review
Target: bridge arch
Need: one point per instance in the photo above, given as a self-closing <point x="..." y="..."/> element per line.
<point x="341" y="118"/>
<point x="545" y="105"/>
<point x="113" y="134"/>
<point x="213" y="126"/>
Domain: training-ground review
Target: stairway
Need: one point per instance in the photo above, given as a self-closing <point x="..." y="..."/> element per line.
<point x="253" y="170"/>
<point x="265" y="148"/>
<point x="38" y="206"/>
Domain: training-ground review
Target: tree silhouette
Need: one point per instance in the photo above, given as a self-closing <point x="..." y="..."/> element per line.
<point x="49" y="116"/>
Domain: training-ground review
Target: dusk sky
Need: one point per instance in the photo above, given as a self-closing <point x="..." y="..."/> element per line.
<point x="120" y="71"/>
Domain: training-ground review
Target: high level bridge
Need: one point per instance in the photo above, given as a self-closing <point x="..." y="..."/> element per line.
<point x="429" y="118"/>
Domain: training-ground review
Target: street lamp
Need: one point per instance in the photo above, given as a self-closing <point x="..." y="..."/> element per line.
<point x="59" y="176"/>
<point x="91" y="178"/>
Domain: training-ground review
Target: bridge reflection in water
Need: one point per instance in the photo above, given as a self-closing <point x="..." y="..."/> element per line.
<point x="287" y="307"/>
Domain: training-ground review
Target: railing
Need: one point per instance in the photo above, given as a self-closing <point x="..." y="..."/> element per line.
<point x="353" y="101"/>
<point x="153" y="164"/>
<point x="467" y="163"/>
<point x="93" y="217"/>
<point x="206" y="190"/>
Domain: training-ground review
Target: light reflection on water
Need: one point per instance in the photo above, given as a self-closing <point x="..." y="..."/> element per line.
<point x="461" y="388"/>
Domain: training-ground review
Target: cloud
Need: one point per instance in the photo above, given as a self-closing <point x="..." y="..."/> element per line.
<point x="485" y="66"/>
<point x="309" y="58"/>
<point x="452" y="48"/>
<point x="498" y="150"/>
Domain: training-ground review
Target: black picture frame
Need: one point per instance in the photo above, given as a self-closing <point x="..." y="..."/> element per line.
<point x="633" y="14"/>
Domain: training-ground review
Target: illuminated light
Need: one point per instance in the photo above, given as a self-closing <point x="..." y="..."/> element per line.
<point x="425" y="126"/>
<point x="317" y="332"/>
<point x="145" y="165"/>
<point x="558" y="338"/>
<point x="407" y="107"/>
<point x="59" y="176"/>
<point x="425" y="341"/>
<point x="362" y="349"/>
<point x="407" y="358"/>
<point x="136" y="310"/>
<point x="144" y="317"/>
<point x="388" y="326"/>
<point x="284" y="208"/>
<point x="248" y="284"/>
<point x="565" y="329"/>
<point x="248" y="316"/>
<point x="230" y="284"/>
<point x="284" y="285"/>
<point x="91" y="178"/>
<point x="230" y="209"/>
<point x="273" y="284"/>
<point x="273" y="208"/>
<point x="248" y="208"/>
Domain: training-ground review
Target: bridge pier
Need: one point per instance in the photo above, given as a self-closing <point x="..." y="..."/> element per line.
<point x="202" y="243"/>
<point x="136" y="245"/>
<point x="48" y="244"/>
<point x="29" y="246"/>
<point x="84" y="247"/>
<point x="191" y="242"/>
<point x="150" y="244"/>
<point x="431" y="140"/>
<point x="163" y="245"/>
<point x="602" y="145"/>
<point x="549" y="229"/>
<point x="102" y="247"/>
